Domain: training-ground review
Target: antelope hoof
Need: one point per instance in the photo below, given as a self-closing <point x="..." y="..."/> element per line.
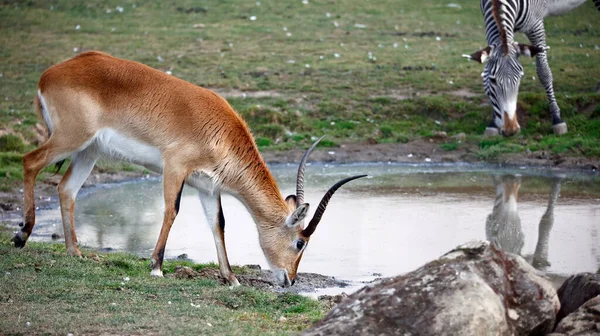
<point x="19" y="239"/>
<point x="233" y="281"/>
<point x="156" y="273"/>
<point x="491" y="132"/>
<point x="74" y="251"/>
<point x="560" y="129"/>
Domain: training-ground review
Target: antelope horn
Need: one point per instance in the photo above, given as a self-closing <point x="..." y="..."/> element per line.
<point x="312" y="225"/>
<point x="300" y="178"/>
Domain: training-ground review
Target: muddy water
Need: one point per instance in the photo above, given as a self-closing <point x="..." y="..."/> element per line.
<point x="393" y="222"/>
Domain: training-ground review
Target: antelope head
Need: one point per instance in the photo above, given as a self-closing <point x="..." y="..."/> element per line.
<point x="285" y="244"/>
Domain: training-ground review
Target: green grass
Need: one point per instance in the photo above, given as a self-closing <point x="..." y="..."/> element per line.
<point x="58" y="294"/>
<point x="349" y="98"/>
<point x="450" y="146"/>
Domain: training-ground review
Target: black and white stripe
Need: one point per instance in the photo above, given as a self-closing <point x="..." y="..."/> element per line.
<point x="503" y="18"/>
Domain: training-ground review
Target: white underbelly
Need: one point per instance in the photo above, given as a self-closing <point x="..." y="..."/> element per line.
<point x="203" y="181"/>
<point x="118" y="146"/>
<point x="121" y="147"/>
<point x="560" y="7"/>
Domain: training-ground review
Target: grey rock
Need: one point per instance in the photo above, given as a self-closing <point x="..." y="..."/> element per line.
<point x="440" y="135"/>
<point x="585" y="321"/>
<point x="476" y="289"/>
<point x="460" y="137"/>
<point x="576" y="291"/>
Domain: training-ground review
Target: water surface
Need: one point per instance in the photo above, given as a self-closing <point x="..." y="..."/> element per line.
<point x="398" y="219"/>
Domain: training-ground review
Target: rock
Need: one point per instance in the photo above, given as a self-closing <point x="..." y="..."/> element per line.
<point x="8" y="206"/>
<point x="575" y="291"/>
<point x="183" y="256"/>
<point x="184" y="272"/>
<point x="585" y="321"/>
<point x="475" y="289"/>
<point x="460" y="137"/>
<point x="56" y="236"/>
<point x="331" y="300"/>
<point x="371" y="141"/>
<point x="440" y="135"/>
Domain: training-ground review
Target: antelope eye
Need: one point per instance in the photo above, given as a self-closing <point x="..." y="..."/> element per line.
<point x="300" y="244"/>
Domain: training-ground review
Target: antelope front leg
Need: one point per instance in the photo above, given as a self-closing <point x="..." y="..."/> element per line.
<point x="173" y="187"/>
<point x="538" y="39"/>
<point x="216" y="220"/>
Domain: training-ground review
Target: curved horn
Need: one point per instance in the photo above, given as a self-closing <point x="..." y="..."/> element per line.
<point x="300" y="178"/>
<point x="312" y="225"/>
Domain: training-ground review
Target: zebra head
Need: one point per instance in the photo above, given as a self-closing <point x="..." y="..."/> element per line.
<point x="501" y="79"/>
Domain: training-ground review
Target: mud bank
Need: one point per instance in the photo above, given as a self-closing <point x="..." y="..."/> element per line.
<point x="429" y="151"/>
<point x="254" y="276"/>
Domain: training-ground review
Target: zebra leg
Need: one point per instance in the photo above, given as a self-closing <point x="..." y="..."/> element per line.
<point x="538" y="39"/>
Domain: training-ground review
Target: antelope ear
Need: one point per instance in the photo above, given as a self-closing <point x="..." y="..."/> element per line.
<point x="297" y="216"/>
<point x="528" y="50"/>
<point x="480" y="56"/>
<point x="291" y="201"/>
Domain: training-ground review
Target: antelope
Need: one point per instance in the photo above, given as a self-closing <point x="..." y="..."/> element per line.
<point x="97" y="105"/>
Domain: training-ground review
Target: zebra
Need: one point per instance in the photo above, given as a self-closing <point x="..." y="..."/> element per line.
<point x="503" y="72"/>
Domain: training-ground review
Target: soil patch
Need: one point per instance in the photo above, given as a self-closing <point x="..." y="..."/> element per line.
<point x="428" y="151"/>
<point x="250" y="94"/>
<point x="254" y="276"/>
<point x="412" y="94"/>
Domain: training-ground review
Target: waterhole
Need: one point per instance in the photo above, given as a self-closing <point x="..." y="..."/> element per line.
<point x="398" y="219"/>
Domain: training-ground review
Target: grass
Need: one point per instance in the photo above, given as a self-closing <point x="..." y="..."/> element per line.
<point x="386" y="51"/>
<point x="42" y="290"/>
<point x="394" y="80"/>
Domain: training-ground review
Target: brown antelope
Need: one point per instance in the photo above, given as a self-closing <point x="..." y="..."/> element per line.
<point x="98" y="105"/>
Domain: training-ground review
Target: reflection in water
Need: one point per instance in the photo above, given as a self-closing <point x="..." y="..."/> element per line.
<point x="540" y="256"/>
<point x="122" y="217"/>
<point x="503" y="225"/>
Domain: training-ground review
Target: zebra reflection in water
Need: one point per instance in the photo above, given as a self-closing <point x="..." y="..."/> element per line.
<point x="503" y="225"/>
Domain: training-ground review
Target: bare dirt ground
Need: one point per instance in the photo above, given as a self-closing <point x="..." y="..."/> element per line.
<point x="428" y="151"/>
<point x="255" y="277"/>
